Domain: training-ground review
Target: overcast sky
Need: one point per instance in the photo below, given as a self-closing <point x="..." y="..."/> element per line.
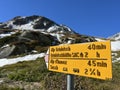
<point x="90" y="17"/>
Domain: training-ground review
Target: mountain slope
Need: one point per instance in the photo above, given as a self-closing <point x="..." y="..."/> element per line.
<point x="30" y="33"/>
<point x="34" y="23"/>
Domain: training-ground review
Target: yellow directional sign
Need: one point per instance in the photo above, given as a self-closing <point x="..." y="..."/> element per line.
<point x="87" y="59"/>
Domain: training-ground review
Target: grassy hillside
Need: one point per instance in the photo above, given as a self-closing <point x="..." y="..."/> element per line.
<point x="33" y="75"/>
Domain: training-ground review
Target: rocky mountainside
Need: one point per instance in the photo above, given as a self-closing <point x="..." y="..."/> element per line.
<point x="34" y="34"/>
<point x="34" y="23"/>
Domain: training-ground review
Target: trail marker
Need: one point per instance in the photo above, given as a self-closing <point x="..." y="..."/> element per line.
<point x="87" y="59"/>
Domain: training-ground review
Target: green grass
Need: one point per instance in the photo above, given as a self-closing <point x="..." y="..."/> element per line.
<point x="25" y="71"/>
<point x="36" y="71"/>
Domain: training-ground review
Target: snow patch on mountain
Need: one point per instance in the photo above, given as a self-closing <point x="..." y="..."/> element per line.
<point x="58" y="36"/>
<point x="24" y="27"/>
<point x="53" y="28"/>
<point x="117" y="60"/>
<point x="115" y="37"/>
<point x="99" y="39"/>
<point x="6" y="34"/>
<point x="6" y="61"/>
<point x="115" y="45"/>
<point x="27" y="26"/>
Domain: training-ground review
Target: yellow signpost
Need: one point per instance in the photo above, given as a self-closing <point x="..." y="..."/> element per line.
<point x="91" y="59"/>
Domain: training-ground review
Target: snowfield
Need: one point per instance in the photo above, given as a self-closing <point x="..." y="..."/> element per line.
<point x="7" y="34"/>
<point x="115" y="45"/>
<point x="6" y="61"/>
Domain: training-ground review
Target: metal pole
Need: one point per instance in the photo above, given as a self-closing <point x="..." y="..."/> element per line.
<point x="70" y="82"/>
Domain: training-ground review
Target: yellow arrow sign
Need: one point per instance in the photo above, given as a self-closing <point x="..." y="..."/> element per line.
<point x="88" y="59"/>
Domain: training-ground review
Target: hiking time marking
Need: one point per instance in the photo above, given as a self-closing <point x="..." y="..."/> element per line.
<point x="91" y="59"/>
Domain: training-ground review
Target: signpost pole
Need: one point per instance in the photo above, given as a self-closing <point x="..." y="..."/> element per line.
<point x="70" y="82"/>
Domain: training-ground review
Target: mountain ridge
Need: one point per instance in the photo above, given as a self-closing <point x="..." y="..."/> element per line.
<point x="34" y="22"/>
<point x="28" y="33"/>
<point x="115" y="36"/>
